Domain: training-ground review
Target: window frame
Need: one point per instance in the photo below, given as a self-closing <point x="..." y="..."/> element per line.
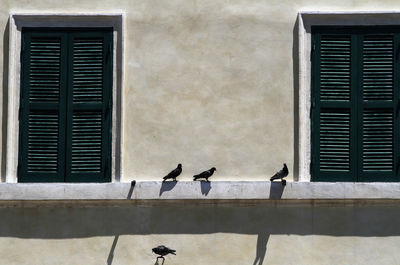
<point x="71" y="20"/>
<point x="302" y="66"/>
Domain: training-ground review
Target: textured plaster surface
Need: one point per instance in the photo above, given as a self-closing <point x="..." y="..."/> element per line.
<point x="207" y="83"/>
<point x="255" y="233"/>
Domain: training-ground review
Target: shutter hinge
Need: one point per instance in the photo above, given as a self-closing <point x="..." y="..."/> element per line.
<point x="20" y="113"/>
<point x="312" y="106"/>
<point x="312" y="51"/>
<point x="106" y="166"/>
<point x="108" y="53"/>
<point x="108" y="108"/>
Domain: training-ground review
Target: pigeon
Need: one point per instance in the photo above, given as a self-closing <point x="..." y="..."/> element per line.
<point x="163" y="250"/>
<point x="205" y="174"/>
<point x="174" y="173"/>
<point x="281" y="174"/>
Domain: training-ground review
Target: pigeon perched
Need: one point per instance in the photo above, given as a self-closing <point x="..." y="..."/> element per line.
<point x="281" y="174"/>
<point x="163" y="250"/>
<point x="205" y="174"/>
<point x="174" y="173"/>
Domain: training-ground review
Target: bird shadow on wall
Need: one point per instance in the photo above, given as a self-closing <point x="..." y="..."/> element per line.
<point x="167" y="186"/>
<point x="205" y="187"/>
<point x="261" y="249"/>
<point x="276" y="190"/>
<point x="133" y="184"/>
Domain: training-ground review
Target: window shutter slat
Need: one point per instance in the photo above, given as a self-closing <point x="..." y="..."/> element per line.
<point x="86" y="141"/>
<point x="88" y="69"/>
<point x="45" y="64"/>
<point x="335" y="67"/>
<point x="334" y="140"/>
<point x="378" y="67"/>
<point x="377" y="140"/>
<point x="43" y="137"/>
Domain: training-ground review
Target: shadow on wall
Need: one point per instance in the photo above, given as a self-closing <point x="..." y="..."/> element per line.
<point x="167" y="186"/>
<point x="266" y="218"/>
<point x="295" y="56"/>
<point x="276" y="190"/>
<point x="111" y="254"/>
<point x="56" y="220"/>
<point x="69" y="220"/>
<point x="5" y="101"/>
<point x="205" y="187"/>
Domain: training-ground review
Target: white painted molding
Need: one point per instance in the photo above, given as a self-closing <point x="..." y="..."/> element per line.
<point x="19" y="20"/>
<point x="195" y="190"/>
<point x="307" y="19"/>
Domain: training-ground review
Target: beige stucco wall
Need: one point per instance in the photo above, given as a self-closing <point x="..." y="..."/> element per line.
<point x="206" y="83"/>
<point x="202" y="233"/>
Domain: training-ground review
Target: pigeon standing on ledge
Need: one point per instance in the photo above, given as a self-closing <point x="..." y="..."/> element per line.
<point x="205" y="174"/>
<point x="281" y="174"/>
<point x="163" y="250"/>
<point x="174" y="173"/>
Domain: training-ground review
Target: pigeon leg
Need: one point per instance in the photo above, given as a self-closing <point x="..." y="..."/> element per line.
<point x="160" y="257"/>
<point x="283" y="182"/>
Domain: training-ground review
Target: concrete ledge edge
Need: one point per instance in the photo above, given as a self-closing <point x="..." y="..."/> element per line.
<point x="195" y="190"/>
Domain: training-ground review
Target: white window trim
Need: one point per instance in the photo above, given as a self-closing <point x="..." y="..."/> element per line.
<point x="19" y="20"/>
<point x="306" y="19"/>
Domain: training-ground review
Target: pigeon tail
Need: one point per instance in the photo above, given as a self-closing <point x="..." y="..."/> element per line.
<point x="276" y="176"/>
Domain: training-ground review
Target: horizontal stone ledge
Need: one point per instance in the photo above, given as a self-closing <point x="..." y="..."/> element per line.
<point x="198" y="190"/>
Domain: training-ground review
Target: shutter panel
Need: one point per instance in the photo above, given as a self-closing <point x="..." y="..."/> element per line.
<point x="334" y="141"/>
<point x="377" y="109"/>
<point x="355" y="95"/>
<point x="332" y="114"/>
<point x="42" y="107"/>
<point x="335" y="67"/>
<point x="89" y="129"/>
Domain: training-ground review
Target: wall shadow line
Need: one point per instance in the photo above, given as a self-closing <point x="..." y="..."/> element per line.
<point x="296" y="118"/>
<point x="5" y="101"/>
<point x="112" y="250"/>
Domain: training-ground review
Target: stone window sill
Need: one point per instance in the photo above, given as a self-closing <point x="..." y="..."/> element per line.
<point x="190" y="190"/>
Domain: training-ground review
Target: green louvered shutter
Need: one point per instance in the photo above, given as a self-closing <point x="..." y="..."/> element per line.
<point x="66" y="105"/>
<point x="89" y="107"/>
<point x="355" y="104"/>
<point x="332" y="109"/>
<point x="377" y="109"/>
<point x="42" y="109"/>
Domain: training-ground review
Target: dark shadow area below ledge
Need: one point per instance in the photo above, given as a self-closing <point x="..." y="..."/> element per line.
<point x="69" y="221"/>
